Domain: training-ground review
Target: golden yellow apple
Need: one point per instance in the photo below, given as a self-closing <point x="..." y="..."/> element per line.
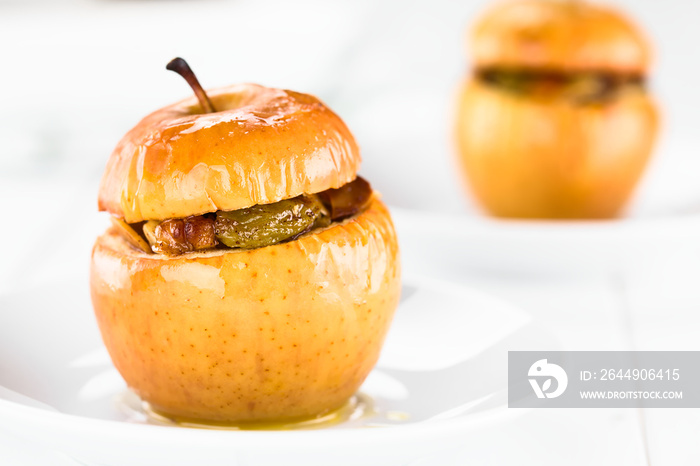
<point x="530" y="158"/>
<point x="555" y="120"/>
<point x="250" y="275"/>
<point x="281" y="332"/>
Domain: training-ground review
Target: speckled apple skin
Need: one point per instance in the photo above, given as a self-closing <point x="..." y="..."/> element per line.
<point x="280" y="332"/>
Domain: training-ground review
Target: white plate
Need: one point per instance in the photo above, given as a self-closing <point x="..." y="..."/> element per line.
<point x="446" y="237"/>
<point x="441" y="374"/>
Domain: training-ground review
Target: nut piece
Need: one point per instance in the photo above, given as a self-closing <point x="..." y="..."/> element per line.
<point x="176" y="236"/>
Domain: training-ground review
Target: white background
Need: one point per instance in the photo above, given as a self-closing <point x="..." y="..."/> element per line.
<point x="76" y="75"/>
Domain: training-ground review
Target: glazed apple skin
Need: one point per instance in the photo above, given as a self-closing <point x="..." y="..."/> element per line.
<point x="281" y="332"/>
<point x="262" y="146"/>
<point x="556" y="35"/>
<point x="534" y="158"/>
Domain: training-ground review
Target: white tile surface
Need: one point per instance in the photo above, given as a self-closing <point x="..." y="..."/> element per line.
<point x="673" y="436"/>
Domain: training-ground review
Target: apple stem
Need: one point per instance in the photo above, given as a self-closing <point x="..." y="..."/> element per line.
<point x="181" y="67"/>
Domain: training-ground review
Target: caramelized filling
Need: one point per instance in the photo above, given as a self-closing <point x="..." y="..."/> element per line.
<point x="580" y="87"/>
<point x="252" y="227"/>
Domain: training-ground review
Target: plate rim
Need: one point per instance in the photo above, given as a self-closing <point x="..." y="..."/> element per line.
<point x="243" y="440"/>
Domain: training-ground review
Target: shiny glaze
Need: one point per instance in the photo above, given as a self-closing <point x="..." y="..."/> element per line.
<point x="280" y="332"/>
<point x="558" y="35"/>
<point x="358" y="406"/>
<point x="559" y="159"/>
<point x="263" y="145"/>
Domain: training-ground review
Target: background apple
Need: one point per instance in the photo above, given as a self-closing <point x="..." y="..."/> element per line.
<point x="530" y="158"/>
<point x="555" y="121"/>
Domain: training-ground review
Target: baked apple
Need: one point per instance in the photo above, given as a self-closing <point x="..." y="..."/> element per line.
<point x="249" y="275"/>
<point x="555" y="121"/>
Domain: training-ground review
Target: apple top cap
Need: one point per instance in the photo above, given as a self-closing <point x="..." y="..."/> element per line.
<point x="558" y="35"/>
<point x="262" y="146"/>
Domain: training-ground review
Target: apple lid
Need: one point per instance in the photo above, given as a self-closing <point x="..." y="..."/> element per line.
<point x="564" y="35"/>
<point x="262" y="146"/>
